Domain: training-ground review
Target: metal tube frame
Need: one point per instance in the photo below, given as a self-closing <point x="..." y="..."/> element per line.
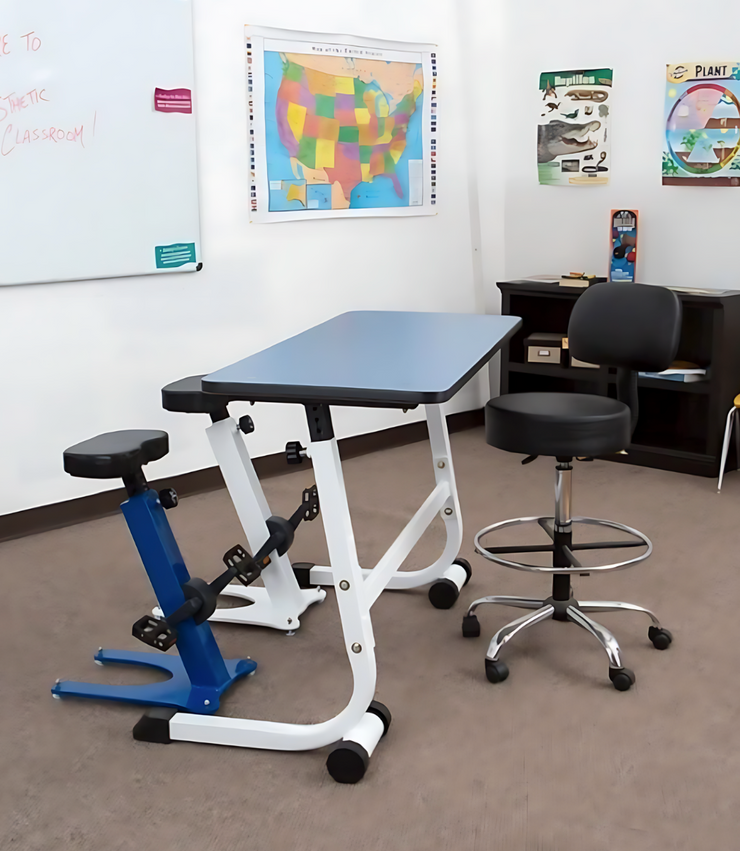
<point x="281" y="602"/>
<point x="444" y="501"/>
<point x="356" y="594"/>
<point x="539" y="568"/>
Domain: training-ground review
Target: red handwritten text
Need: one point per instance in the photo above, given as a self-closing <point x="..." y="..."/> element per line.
<point x="33" y="42"/>
<point x="13" y="137"/>
<point x="14" y="103"/>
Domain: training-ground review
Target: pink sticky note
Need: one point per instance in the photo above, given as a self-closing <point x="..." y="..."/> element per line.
<point x="173" y="100"/>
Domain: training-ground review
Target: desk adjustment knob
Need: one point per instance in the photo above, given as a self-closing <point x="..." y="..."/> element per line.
<point x="168" y="497"/>
<point x="294" y="452"/>
<point x="246" y="424"/>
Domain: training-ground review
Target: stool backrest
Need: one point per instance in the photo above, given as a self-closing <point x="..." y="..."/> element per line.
<point x="634" y="326"/>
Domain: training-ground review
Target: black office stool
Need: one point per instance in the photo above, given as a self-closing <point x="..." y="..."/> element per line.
<point x="632" y="327"/>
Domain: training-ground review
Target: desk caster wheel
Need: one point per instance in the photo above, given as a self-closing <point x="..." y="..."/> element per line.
<point x="465" y="565"/>
<point x="622" y="678"/>
<point x="348" y="760"/>
<point x="660" y="637"/>
<point x="444" y="592"/>
<point x="496" y="672"/>
<point x="470" y="626"/>
<point x="382" y="711"/>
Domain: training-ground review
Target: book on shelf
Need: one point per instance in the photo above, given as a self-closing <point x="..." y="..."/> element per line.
<point x="579" y="279"/>
<point x="541" y="279"/>
<point x="574" y="279"/>
<point x="679" y="371"/>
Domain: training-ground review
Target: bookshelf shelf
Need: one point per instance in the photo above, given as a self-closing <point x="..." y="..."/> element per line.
<point x="681" y="423"/>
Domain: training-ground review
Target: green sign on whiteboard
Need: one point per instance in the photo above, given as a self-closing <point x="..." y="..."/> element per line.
<point x="170" y="256"/>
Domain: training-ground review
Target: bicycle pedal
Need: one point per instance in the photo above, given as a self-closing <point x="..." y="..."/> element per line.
<point x="239" y="560"/>
<point x="155" y="632"/>
<point x="310" y="504"/>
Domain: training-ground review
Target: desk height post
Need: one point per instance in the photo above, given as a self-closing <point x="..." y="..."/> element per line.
<point x="319" y="423"/>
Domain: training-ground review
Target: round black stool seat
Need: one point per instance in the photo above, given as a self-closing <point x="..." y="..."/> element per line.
<point x="115" y="454"/>
<point x="558" y="424"/>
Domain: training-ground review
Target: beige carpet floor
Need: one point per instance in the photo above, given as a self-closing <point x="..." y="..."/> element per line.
<point x="554" y="759"/>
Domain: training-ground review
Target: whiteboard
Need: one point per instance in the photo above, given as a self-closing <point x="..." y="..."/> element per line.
<point x="98" y="178"/>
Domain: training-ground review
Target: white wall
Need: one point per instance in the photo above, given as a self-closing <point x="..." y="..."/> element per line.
<point x="687" y="235"/>
<point x="82" y="358"/>
<point x="484" y="35"/>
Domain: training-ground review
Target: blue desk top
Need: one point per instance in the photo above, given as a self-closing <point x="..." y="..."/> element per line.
<point x="369" y="358"/>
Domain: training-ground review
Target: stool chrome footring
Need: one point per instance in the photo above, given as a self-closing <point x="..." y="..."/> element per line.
<point x="642" y="540"/>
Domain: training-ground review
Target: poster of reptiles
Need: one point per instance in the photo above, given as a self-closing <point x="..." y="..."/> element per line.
<point x="702" y="124"/>
<point x="573" y="145"/>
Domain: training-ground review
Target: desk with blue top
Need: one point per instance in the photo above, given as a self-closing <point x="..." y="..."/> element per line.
<point x="364" y="359"/>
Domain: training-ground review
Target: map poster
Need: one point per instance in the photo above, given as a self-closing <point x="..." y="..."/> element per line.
<point x="702" y="124"/>
<point x="340" y="126"/>
<point x="573" y="145"/>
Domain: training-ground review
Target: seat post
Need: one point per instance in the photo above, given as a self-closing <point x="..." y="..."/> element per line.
<point x="563" y="530"/>
<point x="563" y="491"/>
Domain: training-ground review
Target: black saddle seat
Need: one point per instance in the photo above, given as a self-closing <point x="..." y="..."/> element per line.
<point x="115" y="454"/>
<point x="188" y="397"/>
<point x="558" y="424"/>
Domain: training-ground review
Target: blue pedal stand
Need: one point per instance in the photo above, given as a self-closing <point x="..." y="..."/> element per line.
<point x="199" y="675"/>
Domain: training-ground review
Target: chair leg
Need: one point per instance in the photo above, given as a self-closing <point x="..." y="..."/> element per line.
<point x="514" y="602"/>
<point x="612" y="606"/>
<point x="600" y="633"/>
<point x="726" y="445"/>
<point x="506" y="633"/>
<point x="622" y="678"/>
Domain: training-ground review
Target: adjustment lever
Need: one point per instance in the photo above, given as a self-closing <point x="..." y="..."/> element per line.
<point x="294" y="452"/>
<point x="246" y="424"/>
<point x="155" y="632"/>
<point x="168" y="497"/>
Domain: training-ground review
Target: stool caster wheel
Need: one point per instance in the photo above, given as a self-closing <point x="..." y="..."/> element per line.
<point x="661" y="638"/>
<point x="348" y="760"/>
<point x="496" y="672"/>
<point x="622" y="678"/>
<point x="444" y="592"/>
<point x="470" y="626"/>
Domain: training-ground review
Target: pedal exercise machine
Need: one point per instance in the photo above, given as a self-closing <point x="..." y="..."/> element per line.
<point x="199" y="675"/>
<point x="289" y="590"/>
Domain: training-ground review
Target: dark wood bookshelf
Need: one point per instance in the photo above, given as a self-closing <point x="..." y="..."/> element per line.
<point x="681" y="424"/>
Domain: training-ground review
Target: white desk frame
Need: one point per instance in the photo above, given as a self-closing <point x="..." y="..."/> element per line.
<point x="357" y="589"/>
<point x="281" y="602"/>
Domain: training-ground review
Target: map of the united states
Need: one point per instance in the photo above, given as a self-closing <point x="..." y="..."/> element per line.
<point x="343" y="124"/>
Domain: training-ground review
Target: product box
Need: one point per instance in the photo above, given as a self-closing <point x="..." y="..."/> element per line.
<point x="542" y="347"/>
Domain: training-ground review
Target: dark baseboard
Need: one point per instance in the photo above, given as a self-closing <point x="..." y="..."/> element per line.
<point x="55" y="516"/>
